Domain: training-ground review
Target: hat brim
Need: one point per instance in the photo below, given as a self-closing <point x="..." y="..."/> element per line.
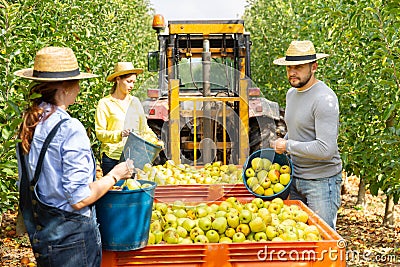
<point x="283" y="62"/>
<point x="28" y="74"/>
<point x="111" y="77"/>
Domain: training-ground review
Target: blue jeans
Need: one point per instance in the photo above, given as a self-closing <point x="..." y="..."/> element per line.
<point x="321" y="195"/>
<point x="107" y="163"/>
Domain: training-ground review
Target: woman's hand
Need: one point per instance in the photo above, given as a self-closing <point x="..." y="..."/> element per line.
<point x="125" y="132"/>
<point x="123" y="170"/>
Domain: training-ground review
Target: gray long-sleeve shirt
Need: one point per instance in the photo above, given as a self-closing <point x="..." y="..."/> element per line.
<point x="312" y="119"/>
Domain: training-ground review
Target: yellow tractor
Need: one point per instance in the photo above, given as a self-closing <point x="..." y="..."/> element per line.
<point x="203" y="103"/>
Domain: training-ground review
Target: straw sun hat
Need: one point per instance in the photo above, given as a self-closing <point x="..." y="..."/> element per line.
<point x="299" y="52"/>
<point x="122" y="68"/>
<point x="54" y="64"/>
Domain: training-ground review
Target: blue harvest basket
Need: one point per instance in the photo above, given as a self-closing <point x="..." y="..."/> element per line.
<point x="124" y="218"/>
<point x="139" y="150"/>
<point x="282" y="159"/>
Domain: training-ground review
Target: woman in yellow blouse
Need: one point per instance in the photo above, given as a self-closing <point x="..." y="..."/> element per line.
<point x="119" y="113"/>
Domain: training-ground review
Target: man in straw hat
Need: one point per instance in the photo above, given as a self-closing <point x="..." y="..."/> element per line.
<point x="118" y="114"/>
<point x="312" y="119"/>
<point x="57" y="169"/>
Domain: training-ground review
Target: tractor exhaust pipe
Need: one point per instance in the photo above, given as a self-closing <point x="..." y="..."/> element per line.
<point x="207" y="143"/>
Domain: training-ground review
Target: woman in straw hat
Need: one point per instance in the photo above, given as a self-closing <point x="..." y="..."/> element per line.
<point x="119" y="113"/>
<point x="57" y="168"/>
<point x="312" y="119"/>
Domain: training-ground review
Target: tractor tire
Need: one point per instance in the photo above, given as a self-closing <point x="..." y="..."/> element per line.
<point x="261" y="131"/>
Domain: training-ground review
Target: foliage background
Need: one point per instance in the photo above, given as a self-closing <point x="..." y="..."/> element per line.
<point x="99" y="32"/>
<point x="362" y="37"/>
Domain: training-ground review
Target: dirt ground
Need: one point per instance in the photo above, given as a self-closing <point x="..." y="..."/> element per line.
<point x="368" y="242"/>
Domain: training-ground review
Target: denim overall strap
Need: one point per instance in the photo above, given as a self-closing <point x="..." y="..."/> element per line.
<point x="59" y="237"/>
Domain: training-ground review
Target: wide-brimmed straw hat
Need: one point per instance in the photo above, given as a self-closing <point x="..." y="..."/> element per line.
<point x="122" y="68"/>
<point x="299" y="52"/>
<point x="54" y="64"/>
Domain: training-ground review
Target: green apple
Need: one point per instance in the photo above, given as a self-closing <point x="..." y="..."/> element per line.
<point x="155" y="226"/>
<point x="152" y="239"/>
<point x="265" y="215"/>
<point x="170" y="221"/>
<point x="230" y="232"/>
<point x="274" y="208"/>
<point x="244" y="228"/>
<point x="220" y="224"/>
<point x="275" y="166"/>
<point x="262" y="175"/>
<point x="245" y="216"/>
<point x="311" y="229"/>
<point x="214" y="207"/>
<point x="178" y="204"/>
<point x="185" y="241"/>
<point x="273" y="176"/>
<point x="257" y="225"/>
<point x="204" y="223"/>
<point x="188" y="224"/>
<point x="158" y="236"/>
<point x="232" y="220"/>
<point x="221" y="213"/>
<point x="180" y="213"/>
<point x="266" y="164"/>
<point x="257" y="164"/>
<point x="300" y="216"/>
<point x="225" y="206"/>
<point x="225" y="239"/>
<point x="269" y="192"/>
<point x="250" y="237"/>
<point x="238" y="237"/>
<point x="201" y="239"/>
<point x="260" y="236"/>
<point x="232" y="211"/>
<point x="200" y="212"/>
<point x="181" y="231"/>
<point x="170" y="236"/>
<point x="284" y="178"/>
<point x="301" y="226"/>
<point x="258" y="202"/>
<point x="258" y="189"/>
<point x="278" y="187"/>
<point x="195" y="232"/>
<point x="271" y="232"/>
<point x="162" y="207"/>
<point x="213" y="236"/>
<point x="285" y="169"/>
<point x="156" y="215"/>
<point x="180" y="221"/>
<point x="250" y="172"/>
<point x="252" y="181"/>
<point x="311" y="237"/>
<point x="278" y="201"/>
<point x="232" y="200"/>
<point x="251" y="207"/>
<point x="266" y="184"/>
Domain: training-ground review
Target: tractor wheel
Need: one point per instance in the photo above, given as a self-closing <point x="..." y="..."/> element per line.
<point x="261" y="131"/>
<point x="158" y="130"/>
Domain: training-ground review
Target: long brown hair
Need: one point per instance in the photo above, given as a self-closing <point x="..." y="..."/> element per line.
<point x="46" y="92"/>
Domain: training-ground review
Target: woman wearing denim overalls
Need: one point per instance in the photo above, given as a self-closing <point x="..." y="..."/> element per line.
<point x="57" y="168"/>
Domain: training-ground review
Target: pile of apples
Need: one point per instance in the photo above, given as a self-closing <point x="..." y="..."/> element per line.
<point x="180" y="174"/>
<point x="265" y="178"/>
<point x="230" y="221"/>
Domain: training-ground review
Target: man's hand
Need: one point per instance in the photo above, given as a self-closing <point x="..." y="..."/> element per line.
<point x="279" y="145"/>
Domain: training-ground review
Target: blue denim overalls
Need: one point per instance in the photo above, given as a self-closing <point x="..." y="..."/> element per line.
<point x="59" y="238"/>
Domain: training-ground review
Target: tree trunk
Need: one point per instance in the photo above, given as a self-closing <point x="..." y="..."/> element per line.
<point x="388" y="219"/>
<point x="361" y="193"/>
<point x="344" y="190"/>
